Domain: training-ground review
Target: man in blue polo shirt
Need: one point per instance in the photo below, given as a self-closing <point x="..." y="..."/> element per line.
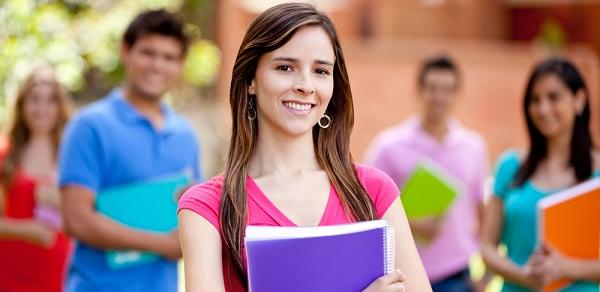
<point x="127" y="137"/>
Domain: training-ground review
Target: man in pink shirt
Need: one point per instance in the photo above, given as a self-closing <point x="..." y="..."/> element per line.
<point x="450" y="240"/>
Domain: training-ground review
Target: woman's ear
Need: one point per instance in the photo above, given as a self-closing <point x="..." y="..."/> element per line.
<point x="251" y="89"/>
<point x="580" y="100"/>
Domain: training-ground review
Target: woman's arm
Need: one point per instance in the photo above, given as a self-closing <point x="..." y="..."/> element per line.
<point x="587" y="270"/>
<point x="24" y="229"/>
<point x="201" y="246"/>
<point x="27" y="230"/>
<point x="556" y="266"/>
<point x="490" y="235"/>
<point x="407" y="257"/>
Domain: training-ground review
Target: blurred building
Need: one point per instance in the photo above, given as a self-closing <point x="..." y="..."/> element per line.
<point x="495" y="42"/>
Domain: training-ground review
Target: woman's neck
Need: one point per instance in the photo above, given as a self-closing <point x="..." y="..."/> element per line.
<point x="559" y="151"/>
<point x="39" y="155"/>
<point x="282" y="155"/>
<point x="40" y="140"/>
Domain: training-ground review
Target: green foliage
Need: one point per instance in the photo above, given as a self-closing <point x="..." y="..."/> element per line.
<point x="78" y="37"/>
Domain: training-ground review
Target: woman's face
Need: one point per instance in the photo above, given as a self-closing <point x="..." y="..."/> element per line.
<point x="553" y="106"/>
<point x="40" y="109"/>
<point x="294" y="83"/>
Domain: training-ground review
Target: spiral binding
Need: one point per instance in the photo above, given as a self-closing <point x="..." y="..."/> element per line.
<point x="389" y="251"/>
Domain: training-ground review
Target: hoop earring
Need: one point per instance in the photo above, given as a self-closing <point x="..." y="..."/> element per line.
<point x="251" y="110"/>
<point x="328" y="119"/>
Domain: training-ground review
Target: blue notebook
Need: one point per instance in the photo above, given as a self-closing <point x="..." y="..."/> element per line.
<point x="149" y="206"/>
<point x="345" y="257"/>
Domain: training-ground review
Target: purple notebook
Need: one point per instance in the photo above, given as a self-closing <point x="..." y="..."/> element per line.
<point x="345" y="257"/>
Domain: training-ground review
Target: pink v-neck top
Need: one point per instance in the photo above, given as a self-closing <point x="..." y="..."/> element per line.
<point x="204" y="199"/>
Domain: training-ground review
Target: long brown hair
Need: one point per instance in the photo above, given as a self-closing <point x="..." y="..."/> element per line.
<point x="271" y="30"/>
<point x="19" y="133"/>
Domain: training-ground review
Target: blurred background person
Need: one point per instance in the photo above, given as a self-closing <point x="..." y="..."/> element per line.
<point x="129" y="136"/>
<point x="561" y="154"/>
<point x="449" y="241"/>
<point x="33" y="248"/>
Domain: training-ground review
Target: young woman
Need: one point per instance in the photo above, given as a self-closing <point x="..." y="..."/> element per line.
<point x="561" y="154"/>
<point x="289" y="162"/>
<point x="33" y="248"/>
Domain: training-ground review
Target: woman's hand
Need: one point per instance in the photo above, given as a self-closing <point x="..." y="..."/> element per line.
<point x="37" y="234"/>
<point x="553" y="265"/>
<point x="393" y="281"/>
<point x="533" y="274"/>
<point x="427" y="229"/>
<point x="169" y="245"/>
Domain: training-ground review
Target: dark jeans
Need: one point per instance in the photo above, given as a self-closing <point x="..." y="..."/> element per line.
<point x="458" y="282"/>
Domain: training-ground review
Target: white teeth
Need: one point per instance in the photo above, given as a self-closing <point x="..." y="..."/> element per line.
<point x="297" y="106"/>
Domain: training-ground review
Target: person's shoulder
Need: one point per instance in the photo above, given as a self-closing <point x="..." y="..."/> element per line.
<point x="204" y="199"/>
<point x="94" y="113"/>
<point x="397" y="133"/>
<point x="207" y="191"/>
<point x="508" y="164"/>
<point x="382" y="190"/>
<point x="369" y="175"/>
<point x="512" y="156"/>
<point x="390" y="138"/>
<point x="472" y="137"/>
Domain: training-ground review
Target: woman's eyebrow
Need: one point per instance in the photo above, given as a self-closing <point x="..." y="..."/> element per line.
<point x="294" y="60"/>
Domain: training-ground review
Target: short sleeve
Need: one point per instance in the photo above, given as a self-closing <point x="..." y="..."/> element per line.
<point x="505" y="171"/>
<point x="380" y="187"/>
<point x="80" y="156"/>
<point x="204" y="199"/>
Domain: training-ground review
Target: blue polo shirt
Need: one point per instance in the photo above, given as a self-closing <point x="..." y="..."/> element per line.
<point x="110" y="143"/>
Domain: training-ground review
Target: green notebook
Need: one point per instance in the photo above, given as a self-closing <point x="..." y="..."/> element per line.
<point x="149" y="206"/>
<point x="429" y="191"/>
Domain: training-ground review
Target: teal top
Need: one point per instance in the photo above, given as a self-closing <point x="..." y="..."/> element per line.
<point x="519" y="229"/>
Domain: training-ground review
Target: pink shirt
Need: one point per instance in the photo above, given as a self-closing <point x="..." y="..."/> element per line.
<point x="204" y="199"/>
<point x="462" y="154"/>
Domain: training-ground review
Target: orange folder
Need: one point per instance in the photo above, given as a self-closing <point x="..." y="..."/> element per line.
<point x="570" y="223"/>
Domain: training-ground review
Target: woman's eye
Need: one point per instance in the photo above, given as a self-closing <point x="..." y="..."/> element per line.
<point x="554" y="96"/>
<point x="322" y="72"/>
<point x="284" y="68"/>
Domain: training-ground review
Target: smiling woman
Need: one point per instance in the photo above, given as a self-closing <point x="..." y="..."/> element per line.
<point x="560" y="155"/>
<point x="289" y="162"/>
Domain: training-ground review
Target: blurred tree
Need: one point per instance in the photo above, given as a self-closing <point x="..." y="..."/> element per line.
<point x="81" y="38"/>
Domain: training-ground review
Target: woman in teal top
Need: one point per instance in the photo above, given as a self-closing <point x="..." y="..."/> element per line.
<point x="561" y="154"/>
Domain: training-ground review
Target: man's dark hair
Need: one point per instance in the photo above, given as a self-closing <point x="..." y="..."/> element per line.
<point x="159" y="22"/>
<point x="437" y="63"/>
